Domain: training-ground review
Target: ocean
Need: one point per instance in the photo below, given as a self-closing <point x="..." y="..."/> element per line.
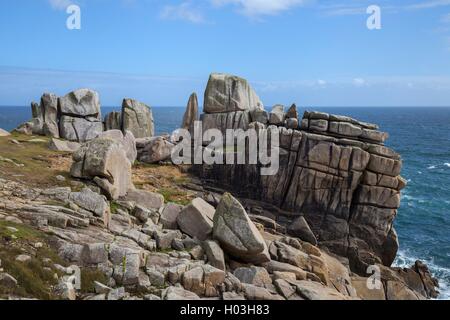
<point x="420" y="135"/>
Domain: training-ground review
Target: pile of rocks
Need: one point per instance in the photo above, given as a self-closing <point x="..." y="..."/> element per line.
<point x="168" y="251"/>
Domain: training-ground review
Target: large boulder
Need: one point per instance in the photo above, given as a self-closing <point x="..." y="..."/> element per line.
<point x="196" y="219"/>
<point x="146" y="199"/>
<point x="191" y="113"/>
<point x="154" y="150"/>
<point x="127" y="141"/>
<point x="227" y="93"/>
<point x="80" y="116"/>
<point x="104" y="159"/>
<point x="45" y="116"/>
<point x="49" y="106"/>
<point x="137" y="118"/>
<point x="237" y="234"/>
<point x="63" y="145"/>
<point x="80" y="103"/>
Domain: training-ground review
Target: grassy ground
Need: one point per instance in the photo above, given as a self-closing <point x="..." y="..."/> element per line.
<point x="35" y="277"/>
<point x="167" y="180"/>
<point x="32" y="161"/>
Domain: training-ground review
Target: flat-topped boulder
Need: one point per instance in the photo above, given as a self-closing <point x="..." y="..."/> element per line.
<point x="228" y="93"/>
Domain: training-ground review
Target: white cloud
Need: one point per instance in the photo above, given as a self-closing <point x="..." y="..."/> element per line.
<point x="60" y="4"/>
<point x="321" y="83"/>
<point x="429" y="4"/>
<point x="254" y="8"/>
<point x="359" y="82"/>
<point x="184" y="11"/>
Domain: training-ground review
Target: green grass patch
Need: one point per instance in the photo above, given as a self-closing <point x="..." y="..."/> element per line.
<point x="89" y="276"/>
<point x="175" y="196"/>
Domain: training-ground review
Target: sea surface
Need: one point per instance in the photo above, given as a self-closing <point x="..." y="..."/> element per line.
<point x="420" y="135"/>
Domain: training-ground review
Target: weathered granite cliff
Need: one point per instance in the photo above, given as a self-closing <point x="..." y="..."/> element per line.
<point x="156" y="232"/>
<point x="334" y="171"/>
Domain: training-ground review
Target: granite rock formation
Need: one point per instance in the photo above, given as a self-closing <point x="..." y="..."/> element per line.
<point x="137" y="118"/>
<point x="191" y="113"/>
<point x="80" y="116"/>
<point x="335" y="172"/>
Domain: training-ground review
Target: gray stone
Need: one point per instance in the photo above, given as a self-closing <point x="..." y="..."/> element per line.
<point x="196" y="219"/>
<point x="49" y="106"/>
<point x="79" y="129"/>
<point x="155" y="150"/>
<point x="191" y="113"/>
<point x="127" y="141"/>
<point x="63" y="146"/>
<point x="227" y="93"/>
<point x="169" y="216"/>
<point x="164" y="238"/>
<point x="23" y="258"/>
<point x="215" y="254"/>
<point x="257" y="276"/>
<point x="106" y="159"/>
<point x="146" y="199"/>
<point x="65" y="290"/>
<point x="299" y="228"/>
<point x="203" y="280"/>
<point x="137" y="118"/>
<point x="7" y="281"/>
<point x="176" y="293"/>
<point x="258" y="293"/>
<point x="82" y="103"/>
<point x="261" y="116"/>
<point x="237" y="234"/>
<point x="277" y="115"/>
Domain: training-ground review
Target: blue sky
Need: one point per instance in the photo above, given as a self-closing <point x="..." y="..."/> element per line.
<point x="312" y="52"/>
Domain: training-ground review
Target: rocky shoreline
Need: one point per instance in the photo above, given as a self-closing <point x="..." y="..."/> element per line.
<point x="101" y="196"/>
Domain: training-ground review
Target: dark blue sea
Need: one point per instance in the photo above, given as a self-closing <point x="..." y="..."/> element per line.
<point x="420" y="135"/>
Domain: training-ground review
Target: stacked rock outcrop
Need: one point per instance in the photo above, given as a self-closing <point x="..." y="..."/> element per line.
<point x="80" y="116"/>
<point x="77" y="117"/>
<point x="334" y="171"/>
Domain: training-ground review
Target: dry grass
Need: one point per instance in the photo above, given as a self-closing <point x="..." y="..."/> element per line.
<point x="40" y="164"/>
<point x="167" y="180"/>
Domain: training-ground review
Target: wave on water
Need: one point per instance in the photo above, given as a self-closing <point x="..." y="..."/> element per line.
<point x="406" y="260"/>
<point x="431" y="167"/>
<point x="447" y="164"/>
